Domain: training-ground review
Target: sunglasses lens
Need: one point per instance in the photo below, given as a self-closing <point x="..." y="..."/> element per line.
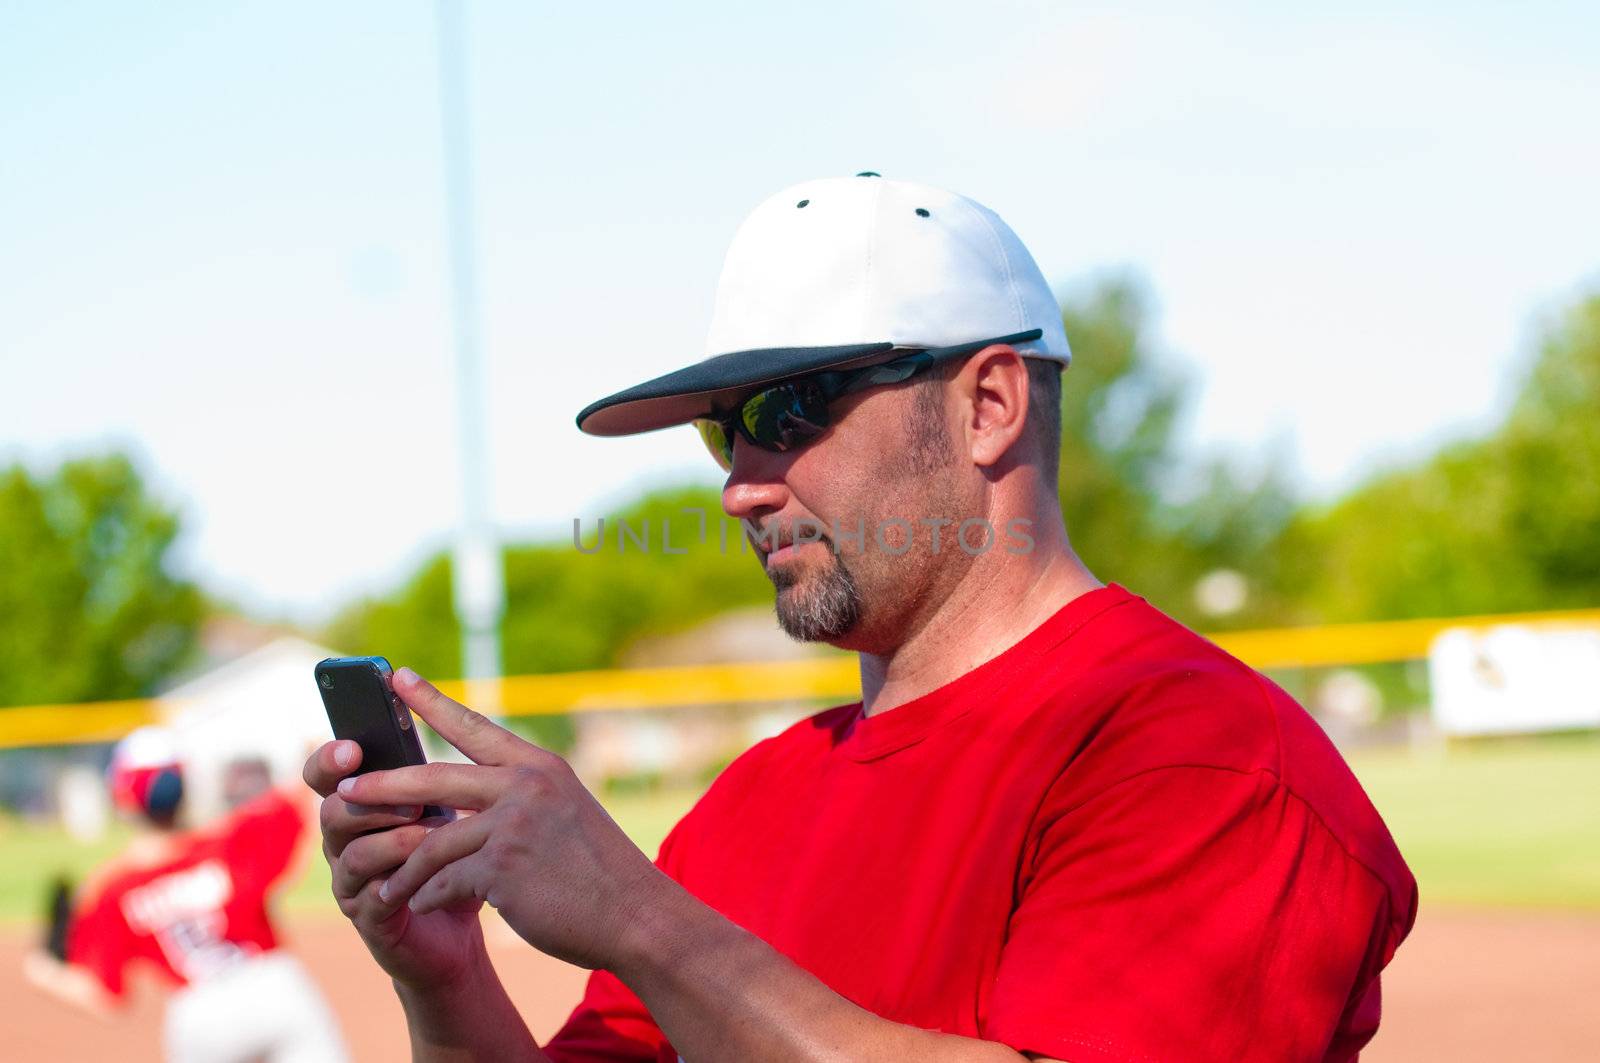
<point x="717" y="441"/>
<point x="786" y="416"/>
<point x="779" y="418"/>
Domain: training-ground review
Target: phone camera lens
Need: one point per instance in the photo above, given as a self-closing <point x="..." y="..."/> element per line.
<point x="327" y="681"/>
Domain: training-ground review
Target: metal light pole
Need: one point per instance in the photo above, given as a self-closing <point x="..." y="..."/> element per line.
<point x="478" y="569"/>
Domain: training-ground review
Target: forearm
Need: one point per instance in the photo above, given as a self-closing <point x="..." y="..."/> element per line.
<point x="471" y="1020"/>
<point x="719" y="992"/>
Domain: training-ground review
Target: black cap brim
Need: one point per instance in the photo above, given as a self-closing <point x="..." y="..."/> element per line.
<point x="694" y="391"/>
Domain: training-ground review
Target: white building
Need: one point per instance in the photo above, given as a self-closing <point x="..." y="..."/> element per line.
<point x="263" y="705"/>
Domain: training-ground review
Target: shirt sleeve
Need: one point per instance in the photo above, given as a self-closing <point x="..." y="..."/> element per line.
<point x="262" y="835"/>
<point x="97" y="940"/>
<point x="1190" y="913"/>
<point x="611" y="1024"/>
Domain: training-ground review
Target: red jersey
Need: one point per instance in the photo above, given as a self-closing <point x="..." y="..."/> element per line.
<point x="196" y="912"/>
<point x="1113" y="842"/>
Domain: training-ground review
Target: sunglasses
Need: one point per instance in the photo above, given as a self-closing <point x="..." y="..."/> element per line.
<point x="789" y="415"/>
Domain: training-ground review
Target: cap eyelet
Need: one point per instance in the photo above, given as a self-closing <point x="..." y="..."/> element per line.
<point x="802" y="203"/>
<point x="922" y="212"/>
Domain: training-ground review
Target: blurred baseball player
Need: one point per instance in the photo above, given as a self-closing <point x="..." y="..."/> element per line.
<point x="192" y="905"/>
<point x="1058" y="825"/>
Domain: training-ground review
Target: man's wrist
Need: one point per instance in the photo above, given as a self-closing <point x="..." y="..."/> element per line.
<point x="469" y="1016"/>
<point x="664" y="934"/>
<point x="425" y="999"/>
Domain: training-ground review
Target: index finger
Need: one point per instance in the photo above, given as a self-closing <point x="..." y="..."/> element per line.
<point x="479" y="737"/>
<point x="469" y="786"/>
<point x="329" y="763"/>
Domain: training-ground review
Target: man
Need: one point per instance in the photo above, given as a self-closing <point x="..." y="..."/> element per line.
<point x="192" y="906"/>
<point x="1058" y="825"/>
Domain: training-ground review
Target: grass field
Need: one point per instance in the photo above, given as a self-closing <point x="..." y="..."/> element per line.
<point x="1503" y="823"/>
<point x="1506" y="824"/>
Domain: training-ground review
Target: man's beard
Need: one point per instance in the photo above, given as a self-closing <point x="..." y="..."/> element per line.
<point x="816" y="606"/>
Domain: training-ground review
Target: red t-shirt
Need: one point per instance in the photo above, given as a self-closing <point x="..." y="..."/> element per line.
<point x="196" y="912"/>
<point x="1113" y="842"/>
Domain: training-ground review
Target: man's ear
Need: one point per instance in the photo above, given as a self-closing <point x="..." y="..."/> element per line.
<point x="995" y="384"/>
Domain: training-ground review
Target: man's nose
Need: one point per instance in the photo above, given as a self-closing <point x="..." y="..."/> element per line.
<point x="755" y="485"/>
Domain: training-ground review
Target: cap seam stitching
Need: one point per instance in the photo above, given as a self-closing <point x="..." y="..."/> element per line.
<point x="1005" y="260"/>
<point x="872" y="246"/>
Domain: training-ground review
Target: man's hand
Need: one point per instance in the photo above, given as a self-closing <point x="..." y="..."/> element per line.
<point x="539" y="847"/>
<point x="419" y="951"/>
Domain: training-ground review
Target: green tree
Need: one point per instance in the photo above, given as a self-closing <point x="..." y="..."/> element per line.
<point x="1139" y="508"/>
<point x="1551" y="454"/>
<point x="88" y="606"/>
<point x="569" y="608"/>
<point x="1506" y="522"/>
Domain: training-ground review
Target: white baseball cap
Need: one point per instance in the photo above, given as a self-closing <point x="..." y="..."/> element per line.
<point x="845" y="272"/>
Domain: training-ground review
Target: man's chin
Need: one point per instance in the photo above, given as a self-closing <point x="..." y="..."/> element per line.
<point x="801" y="629"/>
<point x="822" y="608"/>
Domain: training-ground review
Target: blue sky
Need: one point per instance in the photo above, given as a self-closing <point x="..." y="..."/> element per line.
<point x="215" y="216"/>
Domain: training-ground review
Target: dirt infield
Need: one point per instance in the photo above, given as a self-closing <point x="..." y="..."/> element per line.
<point x="1474" y="986"/>
<point x="1467" y="986"/>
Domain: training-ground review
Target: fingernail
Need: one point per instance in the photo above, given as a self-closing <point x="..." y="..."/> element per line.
<point x="409" y="811"/>
<point x="406" y="675"/>
<point x="383" y="891"/>
<point x="343" y="754"/>
<point x="346" y="785"/>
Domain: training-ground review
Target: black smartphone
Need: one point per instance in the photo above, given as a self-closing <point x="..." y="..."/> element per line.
<point x="358" y="693"/>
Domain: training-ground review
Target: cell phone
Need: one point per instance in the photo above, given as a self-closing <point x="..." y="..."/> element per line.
<point x="358" y="693"/>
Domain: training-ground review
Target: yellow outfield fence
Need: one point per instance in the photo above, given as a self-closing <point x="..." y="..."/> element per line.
<point x="1332" y="645"/>
<point x="819" y="679"/>
<point x="93" y="721"/>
